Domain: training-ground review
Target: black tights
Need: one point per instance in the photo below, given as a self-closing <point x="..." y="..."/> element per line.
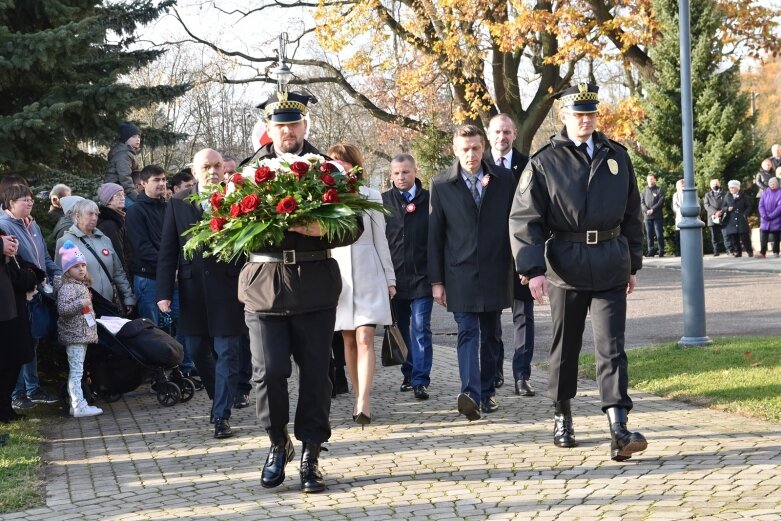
<point x="9" y="373"/>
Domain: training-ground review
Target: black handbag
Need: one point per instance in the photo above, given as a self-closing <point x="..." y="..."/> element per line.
<point x="394" y="349"/>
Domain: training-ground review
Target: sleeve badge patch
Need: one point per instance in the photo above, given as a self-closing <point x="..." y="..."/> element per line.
<point x="612" y="164"/>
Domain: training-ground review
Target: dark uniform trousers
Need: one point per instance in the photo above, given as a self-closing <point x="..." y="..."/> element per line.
<point x="307" y="338"/>
<point x="608" y="320"/>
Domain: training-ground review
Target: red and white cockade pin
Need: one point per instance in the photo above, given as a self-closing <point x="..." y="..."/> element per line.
<point x="410" y="208"/>
<point x="485" y="180"/>
<point x="105" y="252"/>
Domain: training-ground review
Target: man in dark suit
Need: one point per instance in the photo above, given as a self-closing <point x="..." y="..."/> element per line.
<point x="576" y="220"/>
<point x="211" y="316"/>
<point x="469" y="265"/>
<point x="502" y="133"/>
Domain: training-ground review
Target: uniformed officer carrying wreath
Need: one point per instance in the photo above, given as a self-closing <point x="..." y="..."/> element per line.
<point x="290" y="294"/>
<point x="576" y="222"/>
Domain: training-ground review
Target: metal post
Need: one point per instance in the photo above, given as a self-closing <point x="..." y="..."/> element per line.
<point x="692" y="278"/>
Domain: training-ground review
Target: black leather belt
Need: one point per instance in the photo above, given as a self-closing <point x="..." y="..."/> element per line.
<point x="290" y="256"/>
<point x="589" y="237"/>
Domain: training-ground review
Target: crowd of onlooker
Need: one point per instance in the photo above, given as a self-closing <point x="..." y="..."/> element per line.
<point x="727" y="213"/>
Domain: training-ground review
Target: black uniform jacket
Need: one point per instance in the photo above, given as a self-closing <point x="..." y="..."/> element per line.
<point x="274" y="288"/>
<point x="561" y="191"/>
<point x="406" y="228"/>
<point x="208" y="288"/>
<point x="468" y="248"/>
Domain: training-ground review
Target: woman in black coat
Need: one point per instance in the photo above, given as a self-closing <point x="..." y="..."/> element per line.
<point x="17" y="278"/>
<point x="111" y="222"/>
<point x="736" y="208"/>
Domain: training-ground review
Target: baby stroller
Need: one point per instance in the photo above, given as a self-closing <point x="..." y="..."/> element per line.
<point x="124" y="359"/>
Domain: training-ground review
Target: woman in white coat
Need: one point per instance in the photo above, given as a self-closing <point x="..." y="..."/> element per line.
<point x="367" y="281"/>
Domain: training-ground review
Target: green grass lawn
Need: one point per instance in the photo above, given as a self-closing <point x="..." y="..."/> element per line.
<point x="739" y="375"/>
<point x="21" y="484"/>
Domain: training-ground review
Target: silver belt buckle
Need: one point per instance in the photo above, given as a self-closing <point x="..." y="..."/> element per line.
<point x="288" y="256"/>
<point x="592" y="236"/>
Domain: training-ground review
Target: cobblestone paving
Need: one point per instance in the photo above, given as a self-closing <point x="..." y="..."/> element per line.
<point x="417" y="460"/>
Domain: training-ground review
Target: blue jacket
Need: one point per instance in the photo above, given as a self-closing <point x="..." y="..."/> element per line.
<point x="32" y="247"/>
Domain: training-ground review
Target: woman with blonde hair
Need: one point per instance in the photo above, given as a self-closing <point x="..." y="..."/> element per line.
<point x="367" y="281"/>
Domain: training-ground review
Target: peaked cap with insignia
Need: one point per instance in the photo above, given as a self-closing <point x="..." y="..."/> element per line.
<point x="580" y="99"/>
<point x="286" y="107"/>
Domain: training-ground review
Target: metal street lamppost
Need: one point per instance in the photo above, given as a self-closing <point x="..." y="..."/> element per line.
<point x="282" y="71"/>
<point x="692" y="277"/>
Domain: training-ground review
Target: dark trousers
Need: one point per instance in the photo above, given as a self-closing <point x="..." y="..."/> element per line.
<point x="736" y="239"/>
<point x="523" y="339"/>
<point x="9" y="372"/>
<point x="223" y="352"/>
<point x="765" y="237"/>
<point x="307" y="338"/>
<point x="654" y="227"/>
<point x="608" y="320"/>
<point x="244" y="384"/>
<point x="719" y="239"/>
<point x="477" y="349"/>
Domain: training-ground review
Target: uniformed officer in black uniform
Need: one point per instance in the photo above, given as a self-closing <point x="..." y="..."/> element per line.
<point x="290" y="294"/>
<point x="576" y="222"/>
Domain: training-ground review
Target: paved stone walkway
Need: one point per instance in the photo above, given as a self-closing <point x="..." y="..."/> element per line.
<point x="417" y="460"/>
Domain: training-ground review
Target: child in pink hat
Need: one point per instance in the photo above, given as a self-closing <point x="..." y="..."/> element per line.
<point x="76" y="326"/>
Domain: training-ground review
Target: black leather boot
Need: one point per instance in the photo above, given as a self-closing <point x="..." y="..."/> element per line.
<point x="623" y="443"/>
<point x="280" y="454"/>
<point x="311" y="477"/>
<point x="563" y="431"/>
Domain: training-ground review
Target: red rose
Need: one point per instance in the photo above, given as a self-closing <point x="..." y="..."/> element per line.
<point x="235" y="210"/>
<point x="327" y="179"/>
<point x="328" y="168"/>
<point x="216" y="200"/>
<point x="217" y="223"/>
<point x="287" y="205"/>
<point x="249" y="203"/>
<point x="264" y="174"/>
<point x="237" y="179"/>
<point x="331" y="196"/>
<point x="299" y="168"/>
<point x="351" y="182"/>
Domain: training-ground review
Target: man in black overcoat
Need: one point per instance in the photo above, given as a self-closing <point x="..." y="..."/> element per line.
<point x="469" y="264"/>
<point x="576" y="220"/>
<point x="502" y="132"/>
<point x="290" y="294"/>
<point x="211" y="317"/>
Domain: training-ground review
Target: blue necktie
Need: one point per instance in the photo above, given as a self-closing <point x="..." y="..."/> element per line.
<point x="407" y="196"/>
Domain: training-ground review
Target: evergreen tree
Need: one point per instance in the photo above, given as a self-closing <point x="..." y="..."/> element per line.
<point x="723" y="146"/>
<point x="60" y="66"/>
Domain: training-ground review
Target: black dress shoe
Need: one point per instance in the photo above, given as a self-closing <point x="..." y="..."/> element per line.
<point x="523" y="388"/>
<point x="280" y="454"/>
<point x="421" y="393"/>
<point x="489" y="405"/>
<point x="311" y="477"/>
<point x="406" y="385"/>
<point x="498" y="381"/>
<point x="468" y="407"/>
<point x="222" y="428"/>
<point x="241" y="401"/>
<point x="563" y="431"/>
<point x="623" y="443"/>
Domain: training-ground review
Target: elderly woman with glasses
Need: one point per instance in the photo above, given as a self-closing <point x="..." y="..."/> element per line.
<point x="16" y="221"/>
<point x="103" y="264"/>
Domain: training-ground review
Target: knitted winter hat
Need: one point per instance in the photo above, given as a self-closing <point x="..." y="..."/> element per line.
<point x="107" y="191"/>
<point x="127" y="130"/>
<point x="68" y="202"/>
<point x="70" y="256"/>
